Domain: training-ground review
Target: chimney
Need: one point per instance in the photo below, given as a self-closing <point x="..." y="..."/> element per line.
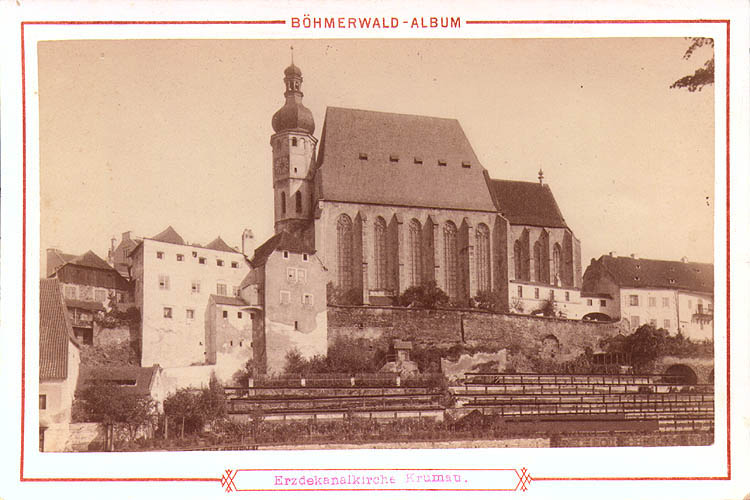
<point x="247" y="243"/>
<point x="613" y="254"/>
<point x="633" y="255"/>
<point x="52" y="259"/>
<point x="126" y="235"/>
<point x="684" y="260"/>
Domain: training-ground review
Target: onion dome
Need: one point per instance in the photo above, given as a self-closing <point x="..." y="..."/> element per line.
<point x="293" y="115"/>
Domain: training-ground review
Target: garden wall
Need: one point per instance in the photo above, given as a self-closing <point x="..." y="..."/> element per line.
<point x="530" y="335"/>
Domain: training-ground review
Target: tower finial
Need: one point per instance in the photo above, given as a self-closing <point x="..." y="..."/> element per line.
<point x="541" y="176"/>
<point x="291" y="47"/>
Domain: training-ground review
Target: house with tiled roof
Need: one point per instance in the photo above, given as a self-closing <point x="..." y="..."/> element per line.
<point x="90" y="285"/>
<point x="674" y="295"/>
<point x="59" y="359"/>
<point x="173" y="282"/>
<point x="285" y="290"/>
<point x="390" y="201"/>
<point x="141" y="381"/>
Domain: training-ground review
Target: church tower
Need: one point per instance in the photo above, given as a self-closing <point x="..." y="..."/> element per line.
<point x="293" y="147"/>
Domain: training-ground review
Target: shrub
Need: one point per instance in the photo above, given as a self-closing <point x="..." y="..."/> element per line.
<point x="193" y="409"/>
<point x="426" y="296"/>
<point x="337" y="296"/>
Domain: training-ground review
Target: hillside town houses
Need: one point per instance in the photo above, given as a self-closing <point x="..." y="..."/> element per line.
<point x="354" y="217"/>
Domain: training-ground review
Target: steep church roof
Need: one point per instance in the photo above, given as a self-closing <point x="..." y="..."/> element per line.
<point x="55" y="332"/>
<point x="528" y="203"/>
<point x="396" y="159"/>
<point x="630" y="272"/>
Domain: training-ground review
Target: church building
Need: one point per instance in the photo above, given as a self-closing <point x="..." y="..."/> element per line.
<point x="389" y="201"/>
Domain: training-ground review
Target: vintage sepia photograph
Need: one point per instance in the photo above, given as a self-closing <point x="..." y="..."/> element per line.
<point x="320" y="244"/>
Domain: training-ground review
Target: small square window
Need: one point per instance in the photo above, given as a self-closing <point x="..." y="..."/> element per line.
<point x="168" y="312"/>
<point x="219" y="262"/>
<point x="221" y="289"/>
<point x="201" y="260"/>
<point x="362" y="156"/>
<point x="305" y="257"/>
<point x="294" y="141"/>
<point x="296" y="325"/>
<point x="466" y="164"/>
<point x="633" y="300"/>
<point x="239" y="315"/>
<point x="418" y="160"/>
<point x="301" y="275"/>
<point x="589" y="302"/>
<point x="71" y="292"/>
<point x="42" y="401"/>
<point x="307" y="299"/>
<point x="603" y="303"/>
<point x="442" y="163"/>
<point x="235" y="265"/>
<point x="286" y="254"/>
<point x="224" y="314"/>
<point x="394" y="158"/>
<point x="195" y="287"/>
<point x="189" y="314"/>
<point x="291" y="274"/>
<point x="195" y="254"/>
<point x="180" y="257"/>
<point x="252" y="315"/>
<point x="163" y="282"/>
<point x="159" y="255"/>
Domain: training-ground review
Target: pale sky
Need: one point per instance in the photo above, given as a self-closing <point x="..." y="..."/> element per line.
<point x="140" y="134"/>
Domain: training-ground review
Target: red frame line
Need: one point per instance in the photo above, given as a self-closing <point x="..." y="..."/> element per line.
<point x="468" y="22"/>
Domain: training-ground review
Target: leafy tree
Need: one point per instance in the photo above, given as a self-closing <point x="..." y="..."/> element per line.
<point x="117" y="407"/>
<point x="645" y="345"/>
<point x="193" y="409"/>
<point x="702" y="76"/>
<point x="426" y="296"/>
<point x="338" y="296"/>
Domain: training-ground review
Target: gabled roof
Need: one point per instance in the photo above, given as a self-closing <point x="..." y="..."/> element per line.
<point x="630" y="272"/>
<point x="219" y="244"/>
<point x="55" y="332"/>
<point x="169" y="235"/>
<point x="279" y="241"/>
<point x="527" y="203"/>
<point x="402" y="161"/>
<point x="227" y="301"/>
<point x="131" y="378"/>
<point x="90" y="259"/>
<point x="56" y="259"/>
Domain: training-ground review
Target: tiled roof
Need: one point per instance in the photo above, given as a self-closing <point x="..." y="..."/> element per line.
<point x="219" y="244"/>
<point x="169" y="235"/>
<point x="132" y="378"/>
<point x="401" y="166"/>
<point x="84" y="304"/>
<point x="528" y="203"/>
<point x="90" y="259"/>
<point x="228" y="301"/>
<point x="55" y="332"/>
<point x="279" y="241"/>
<point x="56" y="259"/>
<point x="630" y="272"/>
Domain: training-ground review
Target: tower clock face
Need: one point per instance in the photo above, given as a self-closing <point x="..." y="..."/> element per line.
<point x="280" y="167"/>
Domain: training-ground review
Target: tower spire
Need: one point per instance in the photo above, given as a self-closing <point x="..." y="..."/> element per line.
<point x="541" y="176"/>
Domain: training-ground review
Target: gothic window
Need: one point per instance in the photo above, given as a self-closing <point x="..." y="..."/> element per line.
<point x="537" y="262"/>
<point x="557" y="264"/>
<point x="518" y="260"/>
<point x="415" y="252"/>
<point x="451" y="259"/>
<point x="283" y="203"/>
<point x="344" y="245"/>
<point x="380" y="254"/>
<point x="298" y="201"/>
<point x="483" y="258"/>
<point x="294" y="141"/>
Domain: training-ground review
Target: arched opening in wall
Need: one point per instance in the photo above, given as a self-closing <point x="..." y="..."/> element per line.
<point x="550" y="347"/>
<point x="483" y="258"/>
<point x="380" y="254"/>
<point x="596" y="316"/>
<point x="680" y="374"/>
<point x="517" y="260"/>
<point x="283" y="202"/>
<point x="298" y="201"/>
<point x="344" y="246"/>
<point x="557" y="265"/>
<point x="537" y="262"/>
<point x="415" y="253"/>
<point x="451" y="259"/>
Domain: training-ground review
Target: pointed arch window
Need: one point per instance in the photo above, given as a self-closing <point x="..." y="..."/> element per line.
<point x="283" y="203"/>
<point x="298" y="201"/>
<point x="518" y="260"/>
<point x="451" y="259"/>
<point x="381" y="258"/>
<point x="415" y="252"/>
<point x="483" y="258"/>
<point x="557" y="264"/>
<point x="344" y="245"/>
<point x="537" y="262"/>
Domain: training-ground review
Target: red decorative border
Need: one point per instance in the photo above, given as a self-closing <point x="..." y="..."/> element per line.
<point x="222" y="479"/>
